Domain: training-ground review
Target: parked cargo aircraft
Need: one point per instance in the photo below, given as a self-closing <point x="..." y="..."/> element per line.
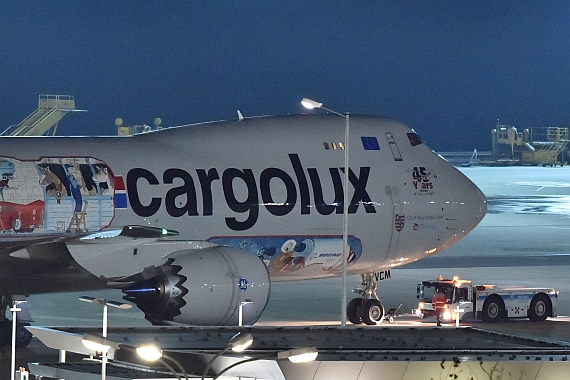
<point x="189" y="221"/>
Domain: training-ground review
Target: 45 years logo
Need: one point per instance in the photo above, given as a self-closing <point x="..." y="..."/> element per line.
<point x="422" y="180"/>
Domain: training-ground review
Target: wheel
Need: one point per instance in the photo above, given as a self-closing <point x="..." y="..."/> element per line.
<point x="372" y="312"/>
<point x="352" y="311"/>
<point x="493" y="308"/>
<point x="539" y="307"/>
<point x="23" y="336"/>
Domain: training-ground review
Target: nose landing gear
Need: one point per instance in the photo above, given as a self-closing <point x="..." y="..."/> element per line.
<point x="367" y="309"/>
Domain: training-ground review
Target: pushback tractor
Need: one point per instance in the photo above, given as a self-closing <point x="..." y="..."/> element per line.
<point x="490" y="303"/>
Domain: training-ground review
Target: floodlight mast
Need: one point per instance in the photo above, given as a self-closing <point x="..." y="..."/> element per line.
<point x="311" y="104"/>
<point x="105" y="303"/>
<point x="15" y="309"/>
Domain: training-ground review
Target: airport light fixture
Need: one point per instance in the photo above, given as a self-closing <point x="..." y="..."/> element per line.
<point x="105" y="303"/>
<point x="299" y="355"/>
<point x="240" y="342"/>
<point x="311" y="104"/>
<point x="98" y="343"/>
<point x="237" y="343"/>
<point x="152" y="353"/>
<point x="147" y="351"/>
<point x="296" y="355"/>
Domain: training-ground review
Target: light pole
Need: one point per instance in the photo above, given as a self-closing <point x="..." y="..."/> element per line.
<point x="104" y="302"/>
<point x="240" y="310"/>
<point x="310" y="104"/>
<point x="14" y="309"/>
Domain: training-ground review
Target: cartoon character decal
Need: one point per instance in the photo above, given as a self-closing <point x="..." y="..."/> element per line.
<point x="55" y="195"/>
<point x="104" y="179"/>
<point x="282" y="254"/>
<point x="49" y="179"/>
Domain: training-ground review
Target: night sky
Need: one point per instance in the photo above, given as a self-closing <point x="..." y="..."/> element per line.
<point x="448" y="69"/>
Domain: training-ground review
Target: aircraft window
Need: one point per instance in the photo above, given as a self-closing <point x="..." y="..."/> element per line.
<point x="334" y="145"/>
<point x="414" y="139"/>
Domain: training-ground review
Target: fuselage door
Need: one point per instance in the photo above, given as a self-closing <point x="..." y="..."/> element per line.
<point x="393" y="146"/>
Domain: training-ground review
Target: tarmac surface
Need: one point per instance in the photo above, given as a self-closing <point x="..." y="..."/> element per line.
<point x="523" y="240"/>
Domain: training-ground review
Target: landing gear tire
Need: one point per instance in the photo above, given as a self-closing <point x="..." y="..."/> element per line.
<point x="352" y="311"/>
<point x="372" y="312"/>
<point x="23" y="336"/>
<point x="539" y="308"/>
<point x="493" y="309"/>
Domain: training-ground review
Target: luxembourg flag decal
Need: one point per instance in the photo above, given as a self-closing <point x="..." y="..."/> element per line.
<point x="120" y="197"/>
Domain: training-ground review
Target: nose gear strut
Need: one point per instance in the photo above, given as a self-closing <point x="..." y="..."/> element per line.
<point x="367" y="309"/>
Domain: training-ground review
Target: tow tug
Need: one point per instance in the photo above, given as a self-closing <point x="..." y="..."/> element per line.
<point x="490" y="303"/>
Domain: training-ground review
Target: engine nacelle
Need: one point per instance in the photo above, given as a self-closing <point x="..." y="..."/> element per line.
<point x="204" y="287"/>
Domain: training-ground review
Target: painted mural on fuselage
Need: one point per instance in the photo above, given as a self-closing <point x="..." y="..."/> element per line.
<point x="284" y="255"/>
<point x="55" y="195"/>
<point x="63" y="195"/>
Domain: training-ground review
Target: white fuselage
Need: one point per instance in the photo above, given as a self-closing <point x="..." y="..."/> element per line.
<point x="271" y="185"/>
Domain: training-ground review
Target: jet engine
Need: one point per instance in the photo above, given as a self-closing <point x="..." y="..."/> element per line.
<point x="204" y="287"/>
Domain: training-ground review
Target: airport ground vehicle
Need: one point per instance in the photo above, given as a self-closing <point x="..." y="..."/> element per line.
<point x="532" y="146"/>
<point x="489" y="303"/>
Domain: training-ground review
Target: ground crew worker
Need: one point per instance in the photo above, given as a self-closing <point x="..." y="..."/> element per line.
<point x="438" y="302"/>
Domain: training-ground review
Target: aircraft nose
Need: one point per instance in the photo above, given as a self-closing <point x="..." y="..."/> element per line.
<point x="466" y="207"/>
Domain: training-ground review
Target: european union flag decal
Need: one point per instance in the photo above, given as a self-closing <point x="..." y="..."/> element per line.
<point x="370" y="143"/>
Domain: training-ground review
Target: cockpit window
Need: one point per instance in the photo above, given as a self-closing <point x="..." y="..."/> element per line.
<point x="414" y="139"/>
